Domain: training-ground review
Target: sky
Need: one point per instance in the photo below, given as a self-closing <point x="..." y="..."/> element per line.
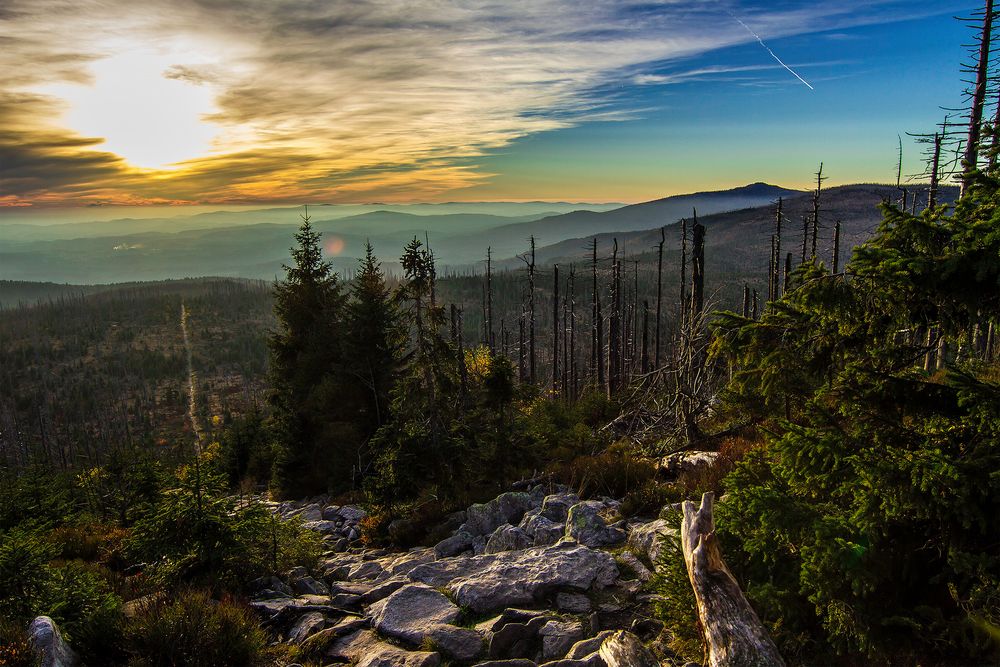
<point x="245" y="102"/>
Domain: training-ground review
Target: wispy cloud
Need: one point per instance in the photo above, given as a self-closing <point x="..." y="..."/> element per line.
<point x="354" y="99"/>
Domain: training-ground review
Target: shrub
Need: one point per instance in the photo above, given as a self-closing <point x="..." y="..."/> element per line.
<point x="193" y="630"/>
<point x="195" y="536"/>
<point x="614" y="473"/>
<point x="676" y="604"/>
<point x="15" y="649"/>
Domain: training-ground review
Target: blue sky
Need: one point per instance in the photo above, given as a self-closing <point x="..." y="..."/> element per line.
<point x="870" y="82"/>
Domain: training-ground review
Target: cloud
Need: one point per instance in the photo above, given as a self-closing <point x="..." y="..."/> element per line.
<point x="356" y="99"/>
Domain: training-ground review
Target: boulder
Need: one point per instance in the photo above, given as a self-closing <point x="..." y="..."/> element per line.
<point x="454" y="545"/>
<point x="495" y="581"/>
<point x="310" y="513"/>
<point x="351" y="514"/>
<point x="48" y="645"/>
<point x="367" y="571"/>
<point x="365" y="648"/>
<point x="507" y="538"/>
<point x="645" y="539"/>
<point x="586" y="647"/>
<point x="517" y="640"/>
<point x="309" y="586"/>
<point x="331" y="513"/>
<point x="542" y="531"/>
<point x="349" y="625"/>
<point x="555" y="507"/>
<point x="558" y="637"/>
<point x="459" y="644"/>
<point x="325" y="527"/>
<point x="307" y="625"/>
<point x="386" y="655"/>
<point x="383" y="589"/>
<point x="408" y="613"/>
<point x="680" y="463"/>
<point x="586" y="525"/>
<point x="632" y="562"/>
<point x="573" y="603"/>
<point x="506" y="663"/>
<point x="483" y="519"/>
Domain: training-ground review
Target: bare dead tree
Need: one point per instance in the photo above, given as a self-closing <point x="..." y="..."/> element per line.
<point x="982" y="65"/>
<point x="659" y="293"/>
<point x="555" y="327"/>
<point x="815" y="212"/>
<point x="836" y="247"/>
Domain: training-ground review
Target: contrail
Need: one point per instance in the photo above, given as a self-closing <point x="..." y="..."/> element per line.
<point x="773" y="55"/>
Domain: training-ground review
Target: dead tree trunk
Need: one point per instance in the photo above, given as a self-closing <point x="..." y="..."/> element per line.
<point x="978" y="97"/>
<point x="597" y="327"/>
<point x="815" y="215"/>
<point x="788" y="272"/>
<point x="531" y="314"/>
<point x="645" y="338"/>
<point x="555" y="327"/>
<point x="836" y="247"/>
<point x="489" y="298"/>
<point x="777" y="248"/>
<point x="746" y="300"/>
<point x="697" y="268"/>
<point x="659" y="293"/>
<point x="684" y="248"/>
<point x="936" y="167"/>
<point x="732" y="632"/>
<point x="572" y="331"/>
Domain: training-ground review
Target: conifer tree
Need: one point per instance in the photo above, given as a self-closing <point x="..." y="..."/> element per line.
<point x="308" y="374"/>
<point x="374" y="339"/>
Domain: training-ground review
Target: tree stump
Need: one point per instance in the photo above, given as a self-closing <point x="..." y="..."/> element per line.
<point x="623" y="649"/>
<point x="732" y="632"/>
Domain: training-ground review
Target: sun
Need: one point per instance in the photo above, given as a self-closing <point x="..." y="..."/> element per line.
<point x="144" y="116"/>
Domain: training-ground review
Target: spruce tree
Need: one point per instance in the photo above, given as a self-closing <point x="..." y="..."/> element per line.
<point x="315" y="439"/>
<point x="375" y="340"/>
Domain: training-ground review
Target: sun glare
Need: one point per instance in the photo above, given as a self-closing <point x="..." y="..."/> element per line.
<point x="148" y="119"/>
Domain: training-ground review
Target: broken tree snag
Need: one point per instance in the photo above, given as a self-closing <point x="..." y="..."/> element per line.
<point x="732" y="632"/>
<point x="623" y="649"/>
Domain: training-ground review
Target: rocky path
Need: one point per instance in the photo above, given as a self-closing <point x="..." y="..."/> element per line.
<point x="535" y="577"/>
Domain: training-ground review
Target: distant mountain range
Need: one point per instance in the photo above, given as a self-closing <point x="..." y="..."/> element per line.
<point x="739" y="223"/>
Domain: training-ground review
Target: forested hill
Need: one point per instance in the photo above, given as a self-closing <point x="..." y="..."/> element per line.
<point x="738" y="241"/>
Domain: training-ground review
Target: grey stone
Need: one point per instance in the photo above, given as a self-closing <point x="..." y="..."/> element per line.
<point x="586" y="525"/>
<point x="687" y="462"/>
<point x="507" y="538"/>
<point x="383" y="589"/>
<point x="407" y="614"/>
<point x="307" y="625"/>
<point x="48" y="645"/>
<point x="646" y="539"/>
<point x="459" y="644"/>
<point x="631" y="561"/>
<point x="369" y="570"/>
<point x="558" y="637"/>
<point x="555" y="507"/>
<point x="586" y="647"/>
<point x="517" y="640"/>
<point x="623" y="649"/>
<point x="352" y="514"/>
<point x="345" y="600"/>
<point x="310" y="513"/>
<point x="331" y="512"/>
<point x="573" y="603"/>
<point x="542" y="531"/>
<point x="495" y="581"/>
<point x="483" y="519"/>
<point x="346" y="626"/>
<point x="517" y="662"/>
<point x="454" y="545"/>
<point x="309" y="586"/>
<point x="325" y="527"/>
